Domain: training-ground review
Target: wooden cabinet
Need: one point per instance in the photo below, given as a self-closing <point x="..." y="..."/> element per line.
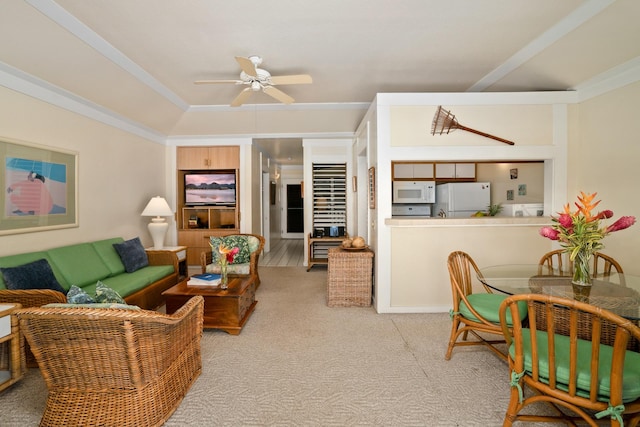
<point x="222" y="157"/>
<point x="421" y="170"/>
<point x="197" y="223"/>
<point x="448" y="171"/>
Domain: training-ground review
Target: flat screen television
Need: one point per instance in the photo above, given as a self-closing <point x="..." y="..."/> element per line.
<point x="210" y="188"/>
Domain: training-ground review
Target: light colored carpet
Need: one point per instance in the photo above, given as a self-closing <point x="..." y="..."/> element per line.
<point x="300" y="363"/>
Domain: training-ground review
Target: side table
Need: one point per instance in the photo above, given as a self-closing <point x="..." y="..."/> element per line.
<point x="181" y="253"/>
<point x="349" y="277"/>
<point x="326" y="243"/>
<point x="12" y="356"/>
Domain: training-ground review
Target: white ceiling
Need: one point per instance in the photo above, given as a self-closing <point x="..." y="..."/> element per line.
<point x="137" y="60"/>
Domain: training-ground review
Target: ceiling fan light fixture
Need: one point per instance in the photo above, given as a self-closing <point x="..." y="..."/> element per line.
<point x="255" y="86"/>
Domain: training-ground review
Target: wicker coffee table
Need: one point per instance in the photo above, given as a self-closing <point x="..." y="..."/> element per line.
<point x="226" y="309"/>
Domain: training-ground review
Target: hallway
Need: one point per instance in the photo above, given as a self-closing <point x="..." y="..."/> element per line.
<point x="284" y="253"/>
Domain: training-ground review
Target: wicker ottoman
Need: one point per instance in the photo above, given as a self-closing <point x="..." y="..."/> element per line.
<point x="349" y="278"/>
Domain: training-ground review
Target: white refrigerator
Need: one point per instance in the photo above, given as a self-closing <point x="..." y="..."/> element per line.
<point x="462" y="199"/>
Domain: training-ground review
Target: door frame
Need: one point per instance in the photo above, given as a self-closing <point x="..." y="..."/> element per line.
<point x="283" y="208"/>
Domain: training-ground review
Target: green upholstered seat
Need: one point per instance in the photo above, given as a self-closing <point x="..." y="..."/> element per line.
<point x="487" y="306"/>
<point x="631" y="374"/>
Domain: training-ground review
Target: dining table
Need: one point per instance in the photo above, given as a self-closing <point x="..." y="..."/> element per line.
<point x="618" y="293"/>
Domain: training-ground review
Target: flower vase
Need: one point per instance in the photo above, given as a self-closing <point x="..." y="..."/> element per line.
<point x="581" y="292"/>
<point x="224" y="279"/>
<point x="582" y="268"/>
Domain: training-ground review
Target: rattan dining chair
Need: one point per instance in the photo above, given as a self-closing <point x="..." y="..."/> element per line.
<point x="473" y="313"/>
<point x="113" y="366"/>
<point x="580" y="379"/>
<point x="605" y="265"/>
<point x="553" y="261"/>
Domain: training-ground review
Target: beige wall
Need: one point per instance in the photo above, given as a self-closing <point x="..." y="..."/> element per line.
<point x="498" y="174"/>
<point x="603" y="157"/>
<point x="118" y="172"/>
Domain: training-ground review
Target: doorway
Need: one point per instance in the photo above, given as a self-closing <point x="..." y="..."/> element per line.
<point x="292" y="210"/>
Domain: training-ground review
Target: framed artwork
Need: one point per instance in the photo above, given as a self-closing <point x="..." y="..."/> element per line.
<point x="354" y="182"/>
<point x="39" y="188"/>
<point x="513" y="173"/>
<point x="372" y="187"/>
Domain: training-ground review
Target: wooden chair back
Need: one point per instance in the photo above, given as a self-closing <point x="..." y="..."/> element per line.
<point x="553" y="260"/>
<point x="583" y="376"/>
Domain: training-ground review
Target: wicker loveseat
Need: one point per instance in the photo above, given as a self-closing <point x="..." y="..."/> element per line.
<point x="254" y="244"/>
<point x="114" y="367"/>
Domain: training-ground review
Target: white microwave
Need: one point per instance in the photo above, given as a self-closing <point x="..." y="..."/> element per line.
<point x="414" y="192"/>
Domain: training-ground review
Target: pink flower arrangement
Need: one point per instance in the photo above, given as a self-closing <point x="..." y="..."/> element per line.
<point x="580" y="230"/>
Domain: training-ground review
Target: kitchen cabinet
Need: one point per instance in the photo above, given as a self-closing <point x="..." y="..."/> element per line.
<point x="413" y="170"/>
<point x="466" y="171"/>
<point x="219" y="157"/>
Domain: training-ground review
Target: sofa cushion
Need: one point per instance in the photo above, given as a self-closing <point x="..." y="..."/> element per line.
<point x="132" y="254"/>
<point x="79" y="296"/>
<point x="34" y="275"/>
<point x="105" y="294"/>
<point x="96" y="305"/>
<point x="109" y="255"/>
<point x="128" y="283"/>
<point x="80" y="264"/>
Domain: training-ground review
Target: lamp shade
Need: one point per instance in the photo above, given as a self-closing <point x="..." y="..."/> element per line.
<point x="157" y="206"/>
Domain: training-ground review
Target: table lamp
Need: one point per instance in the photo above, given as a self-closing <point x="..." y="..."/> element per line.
<point x="158" y="208"/>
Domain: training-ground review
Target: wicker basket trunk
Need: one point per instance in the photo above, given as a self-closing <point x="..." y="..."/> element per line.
<point x="349" y="278"/>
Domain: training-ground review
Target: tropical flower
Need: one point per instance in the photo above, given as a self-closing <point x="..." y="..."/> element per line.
<point x="580" y="231"/>
<point x="227" y="255"/>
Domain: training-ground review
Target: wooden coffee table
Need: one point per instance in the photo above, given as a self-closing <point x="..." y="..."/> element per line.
<point x="226" y="309"/>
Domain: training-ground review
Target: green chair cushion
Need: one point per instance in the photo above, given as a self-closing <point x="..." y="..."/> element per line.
<point x="487" y="305"/>
<point x="631" y="373"/>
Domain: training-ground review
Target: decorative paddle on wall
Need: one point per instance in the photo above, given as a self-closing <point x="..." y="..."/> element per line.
<point x="445" y="122"/>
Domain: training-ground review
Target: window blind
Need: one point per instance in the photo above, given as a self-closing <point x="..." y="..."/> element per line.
<point x="329" y="195"/>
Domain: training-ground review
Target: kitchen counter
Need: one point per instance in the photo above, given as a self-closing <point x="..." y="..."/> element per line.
<point x="483" y="221"/>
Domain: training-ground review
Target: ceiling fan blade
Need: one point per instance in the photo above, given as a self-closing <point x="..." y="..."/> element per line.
<point x="295" y="79"/>
<point x="208" y="82"/>
<point x="278" y="94"/>
<point x="247" y="66"/>
<point x="242" y="97"/>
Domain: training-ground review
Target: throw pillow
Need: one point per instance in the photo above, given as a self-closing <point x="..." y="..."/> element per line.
<point x="240" y="242"/>
<point x="215" y="243"/>
<point x="105" y="294"/>
<point x="78" y="296"/>
<point x="34" y="275"/>
<point x="132" y="254"/>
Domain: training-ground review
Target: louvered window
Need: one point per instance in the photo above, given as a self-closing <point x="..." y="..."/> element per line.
<point x="330" y="196"/>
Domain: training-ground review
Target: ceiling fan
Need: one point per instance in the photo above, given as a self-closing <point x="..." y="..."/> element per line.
<point x="258" y="79"/>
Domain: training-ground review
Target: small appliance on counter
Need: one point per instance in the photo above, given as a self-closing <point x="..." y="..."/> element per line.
<point x="522" y="209"/>
<point x="410" y="210"/>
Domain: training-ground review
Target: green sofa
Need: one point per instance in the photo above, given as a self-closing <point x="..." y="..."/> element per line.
<point x="84" y="264"/>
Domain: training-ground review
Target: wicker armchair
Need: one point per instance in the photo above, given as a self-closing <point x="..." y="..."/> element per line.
<point x="206" y="258"/>
<point x="584" y="376"/>
<point x="114" y="367"/>
<point x="31" y="298"/>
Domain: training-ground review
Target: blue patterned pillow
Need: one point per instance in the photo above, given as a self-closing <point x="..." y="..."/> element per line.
<point x="34" y="275"/>
<point x="78" y="296"/>
<point x="105" y="294"/>
<point x="132" y="254"/>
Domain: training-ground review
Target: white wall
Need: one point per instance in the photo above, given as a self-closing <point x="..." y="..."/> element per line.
<point x="118" y="172"/>
<point x="604" y="155"/>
